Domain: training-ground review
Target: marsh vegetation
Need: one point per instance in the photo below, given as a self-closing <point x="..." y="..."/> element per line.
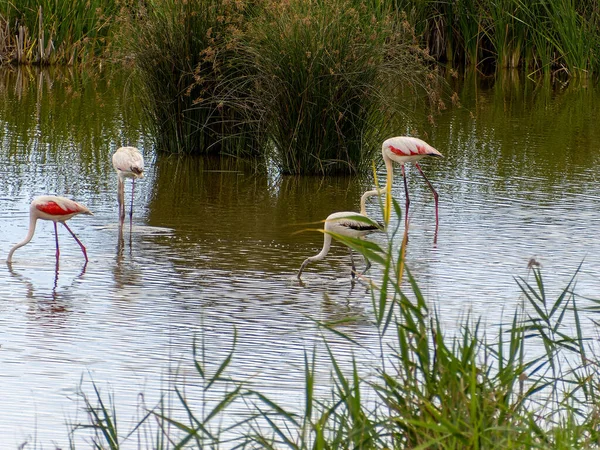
<point x="307" y="85"/>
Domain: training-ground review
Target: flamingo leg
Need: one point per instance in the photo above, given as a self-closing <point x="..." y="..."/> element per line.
<point x="407" y="197"/>
<point x="56" y="268"/>
<point x="367" y="266"/>
<point x="433" y="191"/>
<point x="131" y="210"/>
<point x="56" y="237"/>
<point x="121" y="199"/>
<point x="78" y="241"/>
<point x="353" y="273"/>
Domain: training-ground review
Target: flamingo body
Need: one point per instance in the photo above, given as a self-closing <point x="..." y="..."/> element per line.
<point x="344" y="224"/>
<point x="56" y="209"/>
<point x="128" y="162"/>
<point x="405" y="149"/>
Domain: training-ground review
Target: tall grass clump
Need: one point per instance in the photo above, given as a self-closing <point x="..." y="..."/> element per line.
<point x="558" y="37"/>
<point x="529" y="381"/>
<point x="56" y="31"/>
<point x="573" y="35"/>
<point x="192" y="83"/>
<point x="323" y="69"/>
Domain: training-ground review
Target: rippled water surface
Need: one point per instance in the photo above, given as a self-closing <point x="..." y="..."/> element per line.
<point x="214" y="245"/>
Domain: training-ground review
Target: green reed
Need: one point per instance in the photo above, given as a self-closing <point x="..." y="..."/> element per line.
<point x="57" y="31"/>
<point x="573" y="36"/>
<point x="192" y="85"/>
<point x="322" y="77"/>
<point x="529" y="380"/>
<point x="549" y="36"/>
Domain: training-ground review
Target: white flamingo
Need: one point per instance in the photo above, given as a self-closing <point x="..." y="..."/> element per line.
<point x="344" y="224"/>
<point x="56" y="209"/>
<point x="129" y="163"/>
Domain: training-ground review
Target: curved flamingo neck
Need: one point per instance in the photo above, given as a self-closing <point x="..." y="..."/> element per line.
<point x="325" y="249"/>
<point x="389" y="169"/>
<point x="320" y="255"/>
<point x="367" y="195"/>
<point x="389" y="180"/>
<point x="32" y="221"/>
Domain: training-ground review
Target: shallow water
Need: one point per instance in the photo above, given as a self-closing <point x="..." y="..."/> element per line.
<point x="215" y="247"/>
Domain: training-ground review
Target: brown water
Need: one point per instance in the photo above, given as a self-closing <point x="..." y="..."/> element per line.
<point x="214" y="246"/>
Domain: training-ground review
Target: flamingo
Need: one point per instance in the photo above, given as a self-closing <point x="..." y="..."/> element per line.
<point x="129" y="163"/>
<point x="56" y="209"/>
<point x="400" y="149"/>
<point x="404" y="149"/>
<point x="342" y="223"/>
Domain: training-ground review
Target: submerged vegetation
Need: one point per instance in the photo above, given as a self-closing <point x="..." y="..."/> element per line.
<point x="306" y="84"/>
<point x="529" y="381"/>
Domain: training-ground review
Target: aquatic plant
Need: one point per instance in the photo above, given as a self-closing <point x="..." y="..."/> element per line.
<point x="323" y="71"/>
<point x="192" y="84"/>
<point x="56" y="31"/>
<point x="530" y="381"/>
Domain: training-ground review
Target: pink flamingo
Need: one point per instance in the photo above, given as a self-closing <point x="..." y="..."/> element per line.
<point x="56" y="209"/>
<point x="400" y="149"/>
<point x="129" y="163"/>
<point x="404" y="149"/>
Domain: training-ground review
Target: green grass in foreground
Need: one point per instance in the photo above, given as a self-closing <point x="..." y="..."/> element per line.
<point x="530" y="382"/>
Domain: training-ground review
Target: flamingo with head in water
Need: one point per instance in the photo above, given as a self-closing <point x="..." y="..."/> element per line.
<point x="345" y="224"/>
<point x="129" y="163"/>
<point x="56" y="209"/>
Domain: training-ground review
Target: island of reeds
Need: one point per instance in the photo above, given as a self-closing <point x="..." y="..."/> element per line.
<point x="310" y="86"/>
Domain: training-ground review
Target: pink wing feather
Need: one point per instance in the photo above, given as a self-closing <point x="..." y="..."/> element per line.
<point x="54" y="209"/>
